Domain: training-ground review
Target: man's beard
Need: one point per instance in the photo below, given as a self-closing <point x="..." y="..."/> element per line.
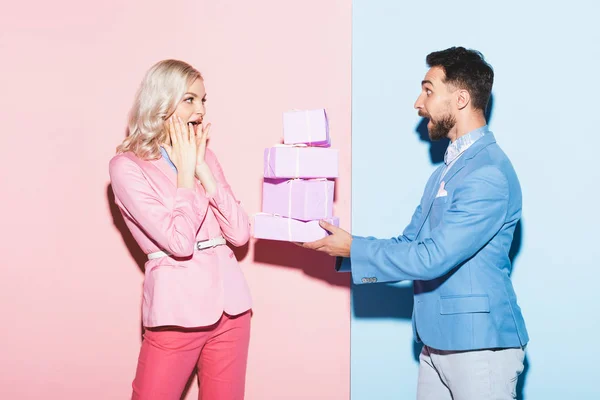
<point x="440" y="129"/>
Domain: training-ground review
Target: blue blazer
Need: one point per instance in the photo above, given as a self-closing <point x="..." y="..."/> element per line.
<point x="455" y="249"/>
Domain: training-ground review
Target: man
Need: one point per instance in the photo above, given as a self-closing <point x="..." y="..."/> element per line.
<point x="456" y="246"/>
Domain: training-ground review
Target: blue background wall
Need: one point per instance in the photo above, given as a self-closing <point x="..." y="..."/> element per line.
<point x="545" y="116"/>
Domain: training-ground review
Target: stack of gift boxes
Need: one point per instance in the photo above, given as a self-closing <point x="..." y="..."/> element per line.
<point x="298" y="181"/>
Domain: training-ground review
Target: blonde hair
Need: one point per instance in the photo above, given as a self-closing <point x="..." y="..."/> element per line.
<point x="160" y="92"/>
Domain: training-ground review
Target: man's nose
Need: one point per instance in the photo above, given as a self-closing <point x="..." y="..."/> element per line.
<point x="419" y="103"/>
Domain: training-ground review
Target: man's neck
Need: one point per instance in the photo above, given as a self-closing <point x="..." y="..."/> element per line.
<point x="465" y="126"/>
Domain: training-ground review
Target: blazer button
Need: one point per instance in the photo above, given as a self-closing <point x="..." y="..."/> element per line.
<point x="365" y="280"/>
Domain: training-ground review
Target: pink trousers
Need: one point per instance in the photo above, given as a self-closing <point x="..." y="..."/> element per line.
<point x="168" y="358"/>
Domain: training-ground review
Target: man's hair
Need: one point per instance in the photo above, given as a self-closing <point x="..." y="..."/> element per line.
<point x="466" y="69"/>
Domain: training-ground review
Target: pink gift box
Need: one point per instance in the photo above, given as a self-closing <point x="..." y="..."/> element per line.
<point x="305" y="200"/>
<point x="272" y="227"/>
<point x="300" y="162"/>
<point x="306" y="127"/>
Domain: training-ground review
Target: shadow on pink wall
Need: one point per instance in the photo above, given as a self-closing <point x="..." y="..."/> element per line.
<point x="136" y="253"/>
<point x="285" y="254"/>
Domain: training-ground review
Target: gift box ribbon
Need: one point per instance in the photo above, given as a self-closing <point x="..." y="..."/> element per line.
<point x="297" y="168"/>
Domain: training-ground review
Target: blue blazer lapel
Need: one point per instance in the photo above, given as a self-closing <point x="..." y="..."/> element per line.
<point x="469" y="154"/>
<point x="458" y="165"/>
<point x="432" y="191"/>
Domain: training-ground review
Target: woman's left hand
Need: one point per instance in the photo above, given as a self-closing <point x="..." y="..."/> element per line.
<point x="203" y="172"/>
<point x="201" y="140"/>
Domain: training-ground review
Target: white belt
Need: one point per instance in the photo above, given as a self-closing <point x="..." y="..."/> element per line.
<point x="218" y="241"/>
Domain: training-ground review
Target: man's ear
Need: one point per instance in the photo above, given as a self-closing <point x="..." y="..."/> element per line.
<point x="463" y="98"/>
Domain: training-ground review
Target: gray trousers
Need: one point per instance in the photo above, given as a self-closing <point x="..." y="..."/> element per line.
<point x="469" y="375"/>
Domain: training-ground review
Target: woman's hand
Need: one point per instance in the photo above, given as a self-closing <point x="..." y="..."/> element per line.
<point x="201" y="140"/>
<point x="183" y="150"/>
<point x="203" y="172"/>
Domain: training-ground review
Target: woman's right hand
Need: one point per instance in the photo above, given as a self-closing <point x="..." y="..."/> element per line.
<point x="182" y="151"/>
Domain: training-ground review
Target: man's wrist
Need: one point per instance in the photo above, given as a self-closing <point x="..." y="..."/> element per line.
<point x="350" y="246"/>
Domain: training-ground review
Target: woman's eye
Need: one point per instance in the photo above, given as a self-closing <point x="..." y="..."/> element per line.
<point x="189" y="100"/>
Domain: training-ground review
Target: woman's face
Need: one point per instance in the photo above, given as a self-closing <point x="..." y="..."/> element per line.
<point x="191" y="108"/>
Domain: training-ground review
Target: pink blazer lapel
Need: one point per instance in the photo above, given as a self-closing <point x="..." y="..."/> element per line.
<point x="166" y="169"/>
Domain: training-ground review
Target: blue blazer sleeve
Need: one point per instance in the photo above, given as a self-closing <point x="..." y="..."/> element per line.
<point x="344" y="264"/>
<point x="477" y="213"/>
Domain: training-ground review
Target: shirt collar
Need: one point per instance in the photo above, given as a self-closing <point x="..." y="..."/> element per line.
<point x="461" y="144"/>
<point x="165" y="156"/>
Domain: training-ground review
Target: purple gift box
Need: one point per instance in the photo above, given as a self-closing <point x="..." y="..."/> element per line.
<point x="272" y="227"/>
<point x="305" y="200"/>
<point x="306" y="127"/>
<point x="300" y="162"/>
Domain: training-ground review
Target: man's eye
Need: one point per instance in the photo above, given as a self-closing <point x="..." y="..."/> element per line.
<point x="428" y="92"/>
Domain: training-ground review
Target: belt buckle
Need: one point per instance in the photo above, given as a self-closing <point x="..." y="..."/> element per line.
<point x="211" y="244"/>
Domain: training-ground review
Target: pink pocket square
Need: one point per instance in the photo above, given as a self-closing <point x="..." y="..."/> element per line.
<point x="441" y="191"/>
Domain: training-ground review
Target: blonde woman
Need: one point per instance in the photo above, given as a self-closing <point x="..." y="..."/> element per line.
<point x="179" y="208"/>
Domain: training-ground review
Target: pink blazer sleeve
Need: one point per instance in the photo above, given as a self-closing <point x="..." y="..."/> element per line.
<point x="172" y="224"/>
<point x="232" y="218"/>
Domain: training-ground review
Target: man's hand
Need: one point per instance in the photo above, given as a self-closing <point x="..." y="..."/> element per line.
<point x="337" y="244"/>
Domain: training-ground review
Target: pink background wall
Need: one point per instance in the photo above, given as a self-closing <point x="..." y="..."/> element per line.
<point x="70" y="288"/>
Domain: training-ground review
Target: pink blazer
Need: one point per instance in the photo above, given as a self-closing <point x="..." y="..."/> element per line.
<point x="191" y="288"/>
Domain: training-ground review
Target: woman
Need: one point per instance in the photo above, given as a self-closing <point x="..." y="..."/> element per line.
<point x="179" y="208"/>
